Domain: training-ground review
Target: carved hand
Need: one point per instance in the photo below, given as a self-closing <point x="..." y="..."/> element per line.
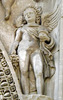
<point x="13" y="51"/>
<point x="14" y="47"/>
<point x="44" y="37"/>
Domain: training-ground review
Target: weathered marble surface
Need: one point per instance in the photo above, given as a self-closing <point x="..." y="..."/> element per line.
<point x="7" y="34"/>
<point x="36" y="97"/>
<point x="8" y="78"/>
<point x="7" y="28"/>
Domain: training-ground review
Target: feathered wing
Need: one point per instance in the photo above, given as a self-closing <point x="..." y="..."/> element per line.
<point x="51" y="21"/>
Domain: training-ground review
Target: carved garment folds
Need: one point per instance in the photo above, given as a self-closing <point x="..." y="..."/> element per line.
<point x="31" y="37"/>
<point x="33" y="40"/>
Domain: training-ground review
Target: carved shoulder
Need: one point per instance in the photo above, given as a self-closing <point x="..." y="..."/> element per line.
<point x="18" y="34"/>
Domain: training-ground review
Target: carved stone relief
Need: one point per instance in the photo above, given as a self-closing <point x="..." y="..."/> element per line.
<point x="7" y="5"/>
<point x="29" y="53"/>
<point x="32" y="48"/>
<point x="8" y="80"/>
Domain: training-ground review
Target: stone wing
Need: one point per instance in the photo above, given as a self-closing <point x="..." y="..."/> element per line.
<point x="51" y="20"/>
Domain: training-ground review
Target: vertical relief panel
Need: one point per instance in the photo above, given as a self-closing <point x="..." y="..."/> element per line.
<point x="9" y="86"/>
<point x="60" y="97"/>
<point x="32" y="37"/>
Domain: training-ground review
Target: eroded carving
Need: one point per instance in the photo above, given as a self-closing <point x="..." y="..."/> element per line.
<point x="34" y="47"/>
<point x="7" y="5"/>
<point x="50" y="17"/>
<point x="7" y="85"/>
<point x="50" y="21"/>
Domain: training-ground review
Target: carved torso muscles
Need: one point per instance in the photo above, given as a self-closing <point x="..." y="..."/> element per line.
<point x="29" y="38"/>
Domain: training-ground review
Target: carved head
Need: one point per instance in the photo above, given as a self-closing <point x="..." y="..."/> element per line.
<point x="32" y="13"/>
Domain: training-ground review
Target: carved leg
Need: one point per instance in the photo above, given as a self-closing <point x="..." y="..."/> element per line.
<point x="7" y="13"/>
<point x="37" y="63"/>
<point x="7" y="9"/>
<point x="24" y="62"/>
<point x="7" y="5"/>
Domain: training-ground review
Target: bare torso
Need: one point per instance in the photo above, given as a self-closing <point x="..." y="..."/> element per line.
<point x="29" y="39"/>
